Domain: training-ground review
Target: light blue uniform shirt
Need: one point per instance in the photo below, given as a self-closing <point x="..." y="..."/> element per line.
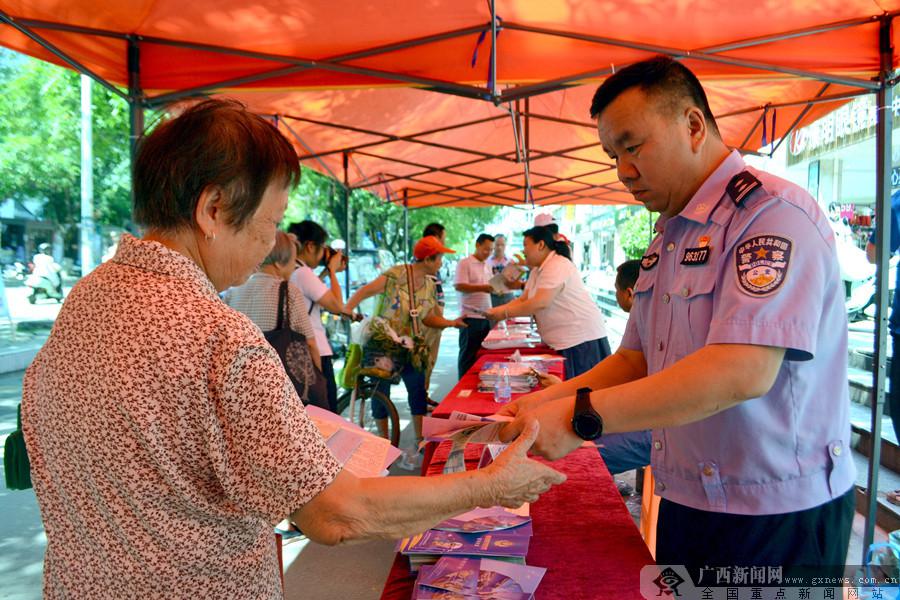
<point x="763" y="271"/>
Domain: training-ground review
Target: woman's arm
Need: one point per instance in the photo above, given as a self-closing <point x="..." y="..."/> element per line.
<point x="367" y="291"/>
<point x="352" y="509"/>
<point x="435" y="319"/>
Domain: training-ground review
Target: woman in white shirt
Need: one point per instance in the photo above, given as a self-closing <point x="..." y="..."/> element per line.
<point x="311" y="239"/>
<point x="567" y="317"/>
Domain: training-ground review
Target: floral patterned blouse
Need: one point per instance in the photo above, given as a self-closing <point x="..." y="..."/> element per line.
<point x="395" y="302"/>
<point x="165" y="438"/>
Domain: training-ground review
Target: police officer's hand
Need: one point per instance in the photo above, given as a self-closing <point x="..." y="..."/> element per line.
<point x="514" y="478"/>
<point x="555" y="438"/>
<point x="522" y="405"/>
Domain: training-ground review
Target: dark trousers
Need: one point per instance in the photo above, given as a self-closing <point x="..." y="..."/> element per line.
<point x="816" y="538"/>
<point x="328" y="372"/>
<point x="470" y="339"/>
<point x="582" y="358"/>
<point x="894" y="394"/>
<point x="415" y="392"/>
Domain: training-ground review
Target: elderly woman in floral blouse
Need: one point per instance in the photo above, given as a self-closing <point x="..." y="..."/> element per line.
<point x="164" y="435"/>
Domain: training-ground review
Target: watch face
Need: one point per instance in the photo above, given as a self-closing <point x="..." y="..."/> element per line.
<point x="587" y="426"/>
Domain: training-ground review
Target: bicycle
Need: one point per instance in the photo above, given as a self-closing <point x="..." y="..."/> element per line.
<point x="352" y="405"/>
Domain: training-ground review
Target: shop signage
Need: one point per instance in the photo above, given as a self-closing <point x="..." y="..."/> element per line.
<point x="851" y="123"/>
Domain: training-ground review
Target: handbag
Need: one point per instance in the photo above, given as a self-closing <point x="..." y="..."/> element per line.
<point x="294" y="353"/>
<point x="15" y="459"/>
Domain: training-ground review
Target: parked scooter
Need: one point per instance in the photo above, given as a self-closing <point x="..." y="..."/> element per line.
<point x="45" y="279"/>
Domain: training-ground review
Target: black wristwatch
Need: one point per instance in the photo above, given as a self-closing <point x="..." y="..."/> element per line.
<point x="586" y="423"/>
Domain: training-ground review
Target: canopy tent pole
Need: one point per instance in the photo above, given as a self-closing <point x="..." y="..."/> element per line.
<point x="135" y="98"/>
<point x="883" y="132"/>
<point x="406" y="225"/>
<point x="346" y="192"/>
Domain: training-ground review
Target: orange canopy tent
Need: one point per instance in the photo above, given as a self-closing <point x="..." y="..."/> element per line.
<point x="350" y="81"/>
<point x="353" y="84"/>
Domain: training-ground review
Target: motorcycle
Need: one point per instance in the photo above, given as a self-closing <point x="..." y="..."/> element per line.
<point x="45" y="279"/>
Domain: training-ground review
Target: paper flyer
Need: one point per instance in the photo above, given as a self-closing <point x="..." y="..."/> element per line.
<point x="360" y="452"/>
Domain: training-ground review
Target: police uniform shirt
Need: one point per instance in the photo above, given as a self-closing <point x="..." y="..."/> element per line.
<point x="750" y="260"/>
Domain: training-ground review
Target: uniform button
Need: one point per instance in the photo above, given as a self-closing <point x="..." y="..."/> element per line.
<point x="670" y="247"/>
<point x="685" y="292"/>
<point x="659" y="346"/>
<point x="836" y="450"/>
<point x="666" y="298"/>
<point x="708" y="471"/>
<point x="660" y="486"/>
<point x="657" y="444"/>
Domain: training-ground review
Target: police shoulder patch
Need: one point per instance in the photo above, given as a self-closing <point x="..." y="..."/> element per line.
<point x="649" y="261"/>
<point x="762" y="263"/>
<point x="742" y="185"/>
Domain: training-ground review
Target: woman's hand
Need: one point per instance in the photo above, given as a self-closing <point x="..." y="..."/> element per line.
<point x="514" y="478"/>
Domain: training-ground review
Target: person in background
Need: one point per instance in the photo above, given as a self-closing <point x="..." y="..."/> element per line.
<point x="567" y="317"/>
<point x="498" y="261"/>
<point x="258" y="297"/>
<point x="472" y="281"/>
<point x="311" y="250"/>
<point x="626" y="278"/>
<point x="165" y="437"/>
<point x="396" y="308"/>
<point x="432" y="334"/>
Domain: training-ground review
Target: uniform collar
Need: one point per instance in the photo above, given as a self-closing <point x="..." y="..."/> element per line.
<point x="156" y="258"/>
<point x="704" y="201"/>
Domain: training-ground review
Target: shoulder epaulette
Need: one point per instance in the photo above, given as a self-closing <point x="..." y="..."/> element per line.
<point x="742" y="185"/>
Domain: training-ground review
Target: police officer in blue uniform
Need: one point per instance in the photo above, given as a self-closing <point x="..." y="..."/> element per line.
<point x="735" y="352"/>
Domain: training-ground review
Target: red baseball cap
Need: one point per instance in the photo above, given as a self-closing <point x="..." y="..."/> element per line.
<point x="429" y="246"/>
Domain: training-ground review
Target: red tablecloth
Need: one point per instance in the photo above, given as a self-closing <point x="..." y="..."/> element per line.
<point x="476" y="403"/>
<point x="583" y="535"/>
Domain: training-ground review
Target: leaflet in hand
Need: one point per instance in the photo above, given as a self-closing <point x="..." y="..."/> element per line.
<point x="360" y="452"/>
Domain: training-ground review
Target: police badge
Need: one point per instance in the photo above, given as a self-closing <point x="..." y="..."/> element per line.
<point x="762" y="263"/>
<point x="649" y="261"/>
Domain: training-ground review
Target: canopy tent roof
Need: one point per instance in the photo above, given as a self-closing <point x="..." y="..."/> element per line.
<point x="353" y="82"/>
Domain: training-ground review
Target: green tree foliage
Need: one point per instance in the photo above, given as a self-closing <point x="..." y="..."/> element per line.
<point x="636" y="231"/>
<point x="40" y="144"/>
<point x="320" y="199"/>
<point x="40" y="159"/>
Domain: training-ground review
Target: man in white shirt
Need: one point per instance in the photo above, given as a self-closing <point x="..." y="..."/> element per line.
<point x="498" y="261"/>
<point x="472" y="280"/>
<point x="311" y="241"/>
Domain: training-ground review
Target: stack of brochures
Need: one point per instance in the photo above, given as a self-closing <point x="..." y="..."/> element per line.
<point x="521" y="377"/>
<point x="477" y="579"/>
<point x="495" y="533"/>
